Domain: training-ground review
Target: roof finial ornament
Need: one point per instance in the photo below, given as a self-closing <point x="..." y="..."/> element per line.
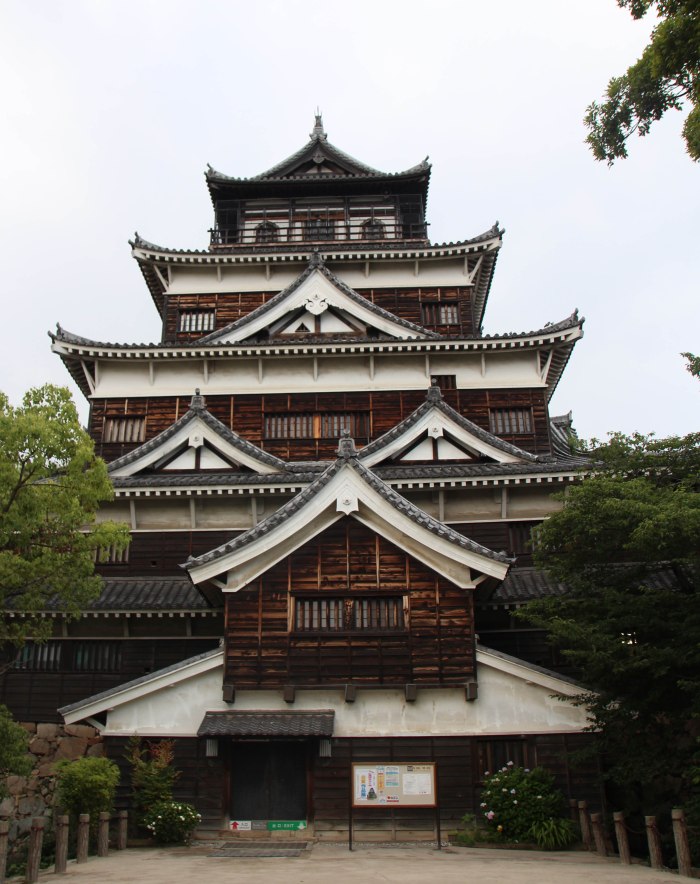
<point x="316" y="259"/>
<point x="197" y="400"/>
<point x="318" y="127"/>
<point x="434" y="393"/>
<point x="346" y="446"/>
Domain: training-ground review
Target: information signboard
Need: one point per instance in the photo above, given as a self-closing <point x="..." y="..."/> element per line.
<point x="393" y="785"/>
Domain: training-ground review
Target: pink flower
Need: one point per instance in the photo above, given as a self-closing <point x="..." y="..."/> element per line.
<point x="490" y="815"/>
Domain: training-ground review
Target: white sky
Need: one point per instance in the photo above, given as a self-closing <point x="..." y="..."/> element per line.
<point x="111" y="109"/>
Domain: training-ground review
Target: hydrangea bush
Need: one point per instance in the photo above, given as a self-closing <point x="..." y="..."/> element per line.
<point x="516" y="801"/>
<point x="172" y="822"/>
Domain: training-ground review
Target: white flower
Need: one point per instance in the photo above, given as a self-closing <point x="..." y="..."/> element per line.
<point x="512" y="791"/>
<point x="515" y="802"/>
<point x="510" y="764"/>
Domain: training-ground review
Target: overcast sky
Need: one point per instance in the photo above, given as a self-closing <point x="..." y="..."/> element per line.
<point x="112" y="108"/>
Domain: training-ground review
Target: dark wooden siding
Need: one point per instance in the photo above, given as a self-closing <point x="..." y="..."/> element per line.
<point x="404" y="303"/>
<point x="161" y="553"/>
<point x="246" y="415"/>
<point x="436" y="647"/>
<point x="36" y="696"/>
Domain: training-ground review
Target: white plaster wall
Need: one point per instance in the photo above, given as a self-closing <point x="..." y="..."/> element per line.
<point x="506" y="705"/>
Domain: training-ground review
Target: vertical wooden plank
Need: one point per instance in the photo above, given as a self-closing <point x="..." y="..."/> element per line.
<point x="36" y="839"/>
<point x="83" y="838"/>
<point x="654" y="841"/>
<point x="61" y="844"/>
<point x="623" y="844"/>
<point x="680" y="836"/>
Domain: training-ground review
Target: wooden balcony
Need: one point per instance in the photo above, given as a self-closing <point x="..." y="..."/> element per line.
<point x="316" y="230"/>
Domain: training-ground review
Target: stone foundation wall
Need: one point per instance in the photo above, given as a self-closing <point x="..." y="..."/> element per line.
<point x="48" y="743"/>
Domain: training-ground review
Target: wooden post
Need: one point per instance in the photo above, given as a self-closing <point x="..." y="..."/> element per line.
<point x="623" y="844"/>
<point x="598" y="833"/>
<point x="585" y="825"/>
<point x="36" y="839"/>
<point x="81" y="853"/>
<point x="4" y="836"/>
<point x="61" y="845"/>
<point x="122" y="830"/>
<point x="654" y="840"/>
<point x="680" y="836"/>
<point x="573" y="810"/>
<point x="103" y="834"/>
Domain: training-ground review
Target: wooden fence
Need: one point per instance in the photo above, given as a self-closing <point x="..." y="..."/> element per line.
<point x="595" y="836"/>
<point x="36" y="841"/>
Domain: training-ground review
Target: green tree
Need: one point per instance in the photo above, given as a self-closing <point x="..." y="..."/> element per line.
<point x="693" y="365"/>
<point x="51" y="485"/>
<point x="627" y="542"/>
<point x="665" y="77"/>
<point x="14" y="742"/>
<point x="87" y="785"/>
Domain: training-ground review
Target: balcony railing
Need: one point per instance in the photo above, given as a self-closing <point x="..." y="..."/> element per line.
<point x="268" y="235"/>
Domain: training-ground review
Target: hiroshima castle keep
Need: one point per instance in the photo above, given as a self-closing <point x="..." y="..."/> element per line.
<point x="331" y="476"/>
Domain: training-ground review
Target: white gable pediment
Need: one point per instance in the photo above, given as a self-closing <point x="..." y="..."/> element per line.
<point x="316" y="304"/>
<point x="354" y="492"/>
<point x="194" y="445"/>
<point x="437" y="436"/>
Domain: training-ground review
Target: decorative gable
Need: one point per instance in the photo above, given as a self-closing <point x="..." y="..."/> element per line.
<point x="196" y="442"/>
<point x="317" y="303"/>
<point x="435" y="432"/>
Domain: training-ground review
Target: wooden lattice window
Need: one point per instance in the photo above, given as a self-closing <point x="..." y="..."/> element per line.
<point x="267" y="232"/>
<point x="112" y="555"/>
<point x="196" y="320"/>
<point x="337" y="614"/>
<point x="319" y="228"/>
<point x="372" y="228"/>
<point x="97" y="656"/>
<point x="44" y="657"/>
<point x="124" y="429"/>
<point x="70" y="656"/>
<point x="440" y="313"/>
<point x="510" y="421"/>
<point x="444" y="381"/>
<point x="492" y="755"/>
<point x="331" y="425"/>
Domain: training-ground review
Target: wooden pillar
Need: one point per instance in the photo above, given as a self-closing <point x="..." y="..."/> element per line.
<point x="36" y="839"/>
<point x="4" y="836"/>
<point x="654" y="840"/>
<point x="122" y="830"/>
<point x="573" y="810"/>
<point x="623" y="844"/>
<point x="61" y="845"/>
<point x="598" y="833"/>
<point x="81" y="853"/>
<point x="680" y="836"/>
<point x="103" y="833"/>
<point x="585" y="825"/>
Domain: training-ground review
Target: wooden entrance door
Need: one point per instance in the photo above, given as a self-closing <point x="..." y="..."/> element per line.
<point x="268" y="781"/>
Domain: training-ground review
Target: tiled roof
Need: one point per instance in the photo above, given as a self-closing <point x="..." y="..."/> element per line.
<point x="434" y="400"/>
<point x="198" y="409"/>
<point x="347" y="455"/>
<point x="316" y="264"/>
<point x="150" y="594"/>
<point x="287" y="723"/>
<point x="525" y="584"/>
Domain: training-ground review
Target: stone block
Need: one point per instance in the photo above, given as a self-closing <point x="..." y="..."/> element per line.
<point x="39" y="746"/>
<point x="7" y="807"/>
<point x="46" y="769"/>
<point x="80" y="730"/>
<point x="16" y="784"/>
<point x="97" y="750"/>
<point x="29" y="726"/>
<point x="47" y="731"/>
<point x="71" y="748"/>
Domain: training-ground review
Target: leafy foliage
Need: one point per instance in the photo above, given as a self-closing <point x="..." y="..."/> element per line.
<point x="627" y="543"/>
<point x="555" y="833"/>
<point x="152" y="774"/>
<point x="51" y="485"/>
<point x="666" y="76"/>
<point x="171" y="822"/>
<point x="14" y="743"/>
<point x="693" y="365"/>
<point x="87" y="785"/>
<point x="514" y="799"/>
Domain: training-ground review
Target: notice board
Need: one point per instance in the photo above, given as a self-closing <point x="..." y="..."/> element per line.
<point x="388" y="784"/>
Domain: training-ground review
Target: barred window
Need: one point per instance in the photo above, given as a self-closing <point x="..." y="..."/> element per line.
<point x="373" y="229"/>
<point x="196" y="320"/>
<point x="331" y="425"/>
<point x="495" y="754"/>
<point x="319" y="228"/>
<point x="70" y="656"/>
<point x="510" y="420"/>
<point x="267" y="232"/>
<point x="440" y="313"/>
<point x="97" y="656"/>
<point x="349" y="614"/>
<point x="111" y="555"/>
<point x="124" y="429"/>
<point x="444" y="381"/>
<point x="44" y="657"/>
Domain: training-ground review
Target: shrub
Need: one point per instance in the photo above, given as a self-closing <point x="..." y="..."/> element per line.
<point x="14" y="742"/>
<point x="514" y="799"/>
<point x="152" y="774"/>
<point x="553" y="834"/>
<point x="171" y="822"/>
<point x="87" y="785"/>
